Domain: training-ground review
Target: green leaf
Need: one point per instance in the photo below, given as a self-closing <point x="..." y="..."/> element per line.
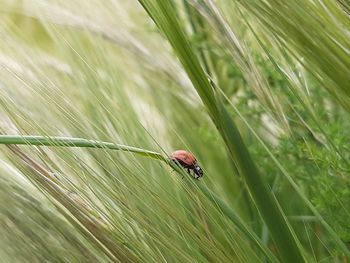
<point x="163" y="15"/>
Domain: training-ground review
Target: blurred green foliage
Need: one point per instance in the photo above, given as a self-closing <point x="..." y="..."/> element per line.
<point x="102" y="71"/>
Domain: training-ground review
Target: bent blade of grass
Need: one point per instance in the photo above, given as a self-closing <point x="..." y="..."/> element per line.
<point x="79" y="142"/>
<point x="162" y="14"/>
<point x="74" y="142"/>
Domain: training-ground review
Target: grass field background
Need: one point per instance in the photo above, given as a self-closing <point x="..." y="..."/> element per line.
<point x="94" y="96"/>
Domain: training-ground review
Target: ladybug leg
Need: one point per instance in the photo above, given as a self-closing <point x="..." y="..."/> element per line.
<point x="188" y="170"/>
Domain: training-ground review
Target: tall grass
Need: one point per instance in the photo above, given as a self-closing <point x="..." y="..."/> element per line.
<point x="96" y="96"/>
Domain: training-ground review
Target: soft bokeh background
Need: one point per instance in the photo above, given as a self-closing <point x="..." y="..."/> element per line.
<point x="101" y="70"/>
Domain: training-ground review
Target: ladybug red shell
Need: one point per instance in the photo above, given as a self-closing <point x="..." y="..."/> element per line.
<point x="188" y="161"/>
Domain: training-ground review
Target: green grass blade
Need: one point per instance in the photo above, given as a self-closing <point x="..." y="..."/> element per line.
<point x="79" y="142"/>
<point x="162" y="13"/>
<point x="74" y="142"/>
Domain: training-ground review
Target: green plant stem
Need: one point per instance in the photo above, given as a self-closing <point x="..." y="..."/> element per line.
<point x="286" y="241"/>
<point x="74" y="142"/>
<point x="79" y="142"/>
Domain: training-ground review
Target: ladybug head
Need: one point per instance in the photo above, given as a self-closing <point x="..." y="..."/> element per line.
<point x="198" y="171"/>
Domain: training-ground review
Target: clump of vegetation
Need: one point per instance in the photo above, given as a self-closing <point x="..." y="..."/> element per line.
<point x="95" y="96"/>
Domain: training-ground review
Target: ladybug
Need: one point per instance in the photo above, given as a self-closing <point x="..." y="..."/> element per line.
<point x="187" y="161"/>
